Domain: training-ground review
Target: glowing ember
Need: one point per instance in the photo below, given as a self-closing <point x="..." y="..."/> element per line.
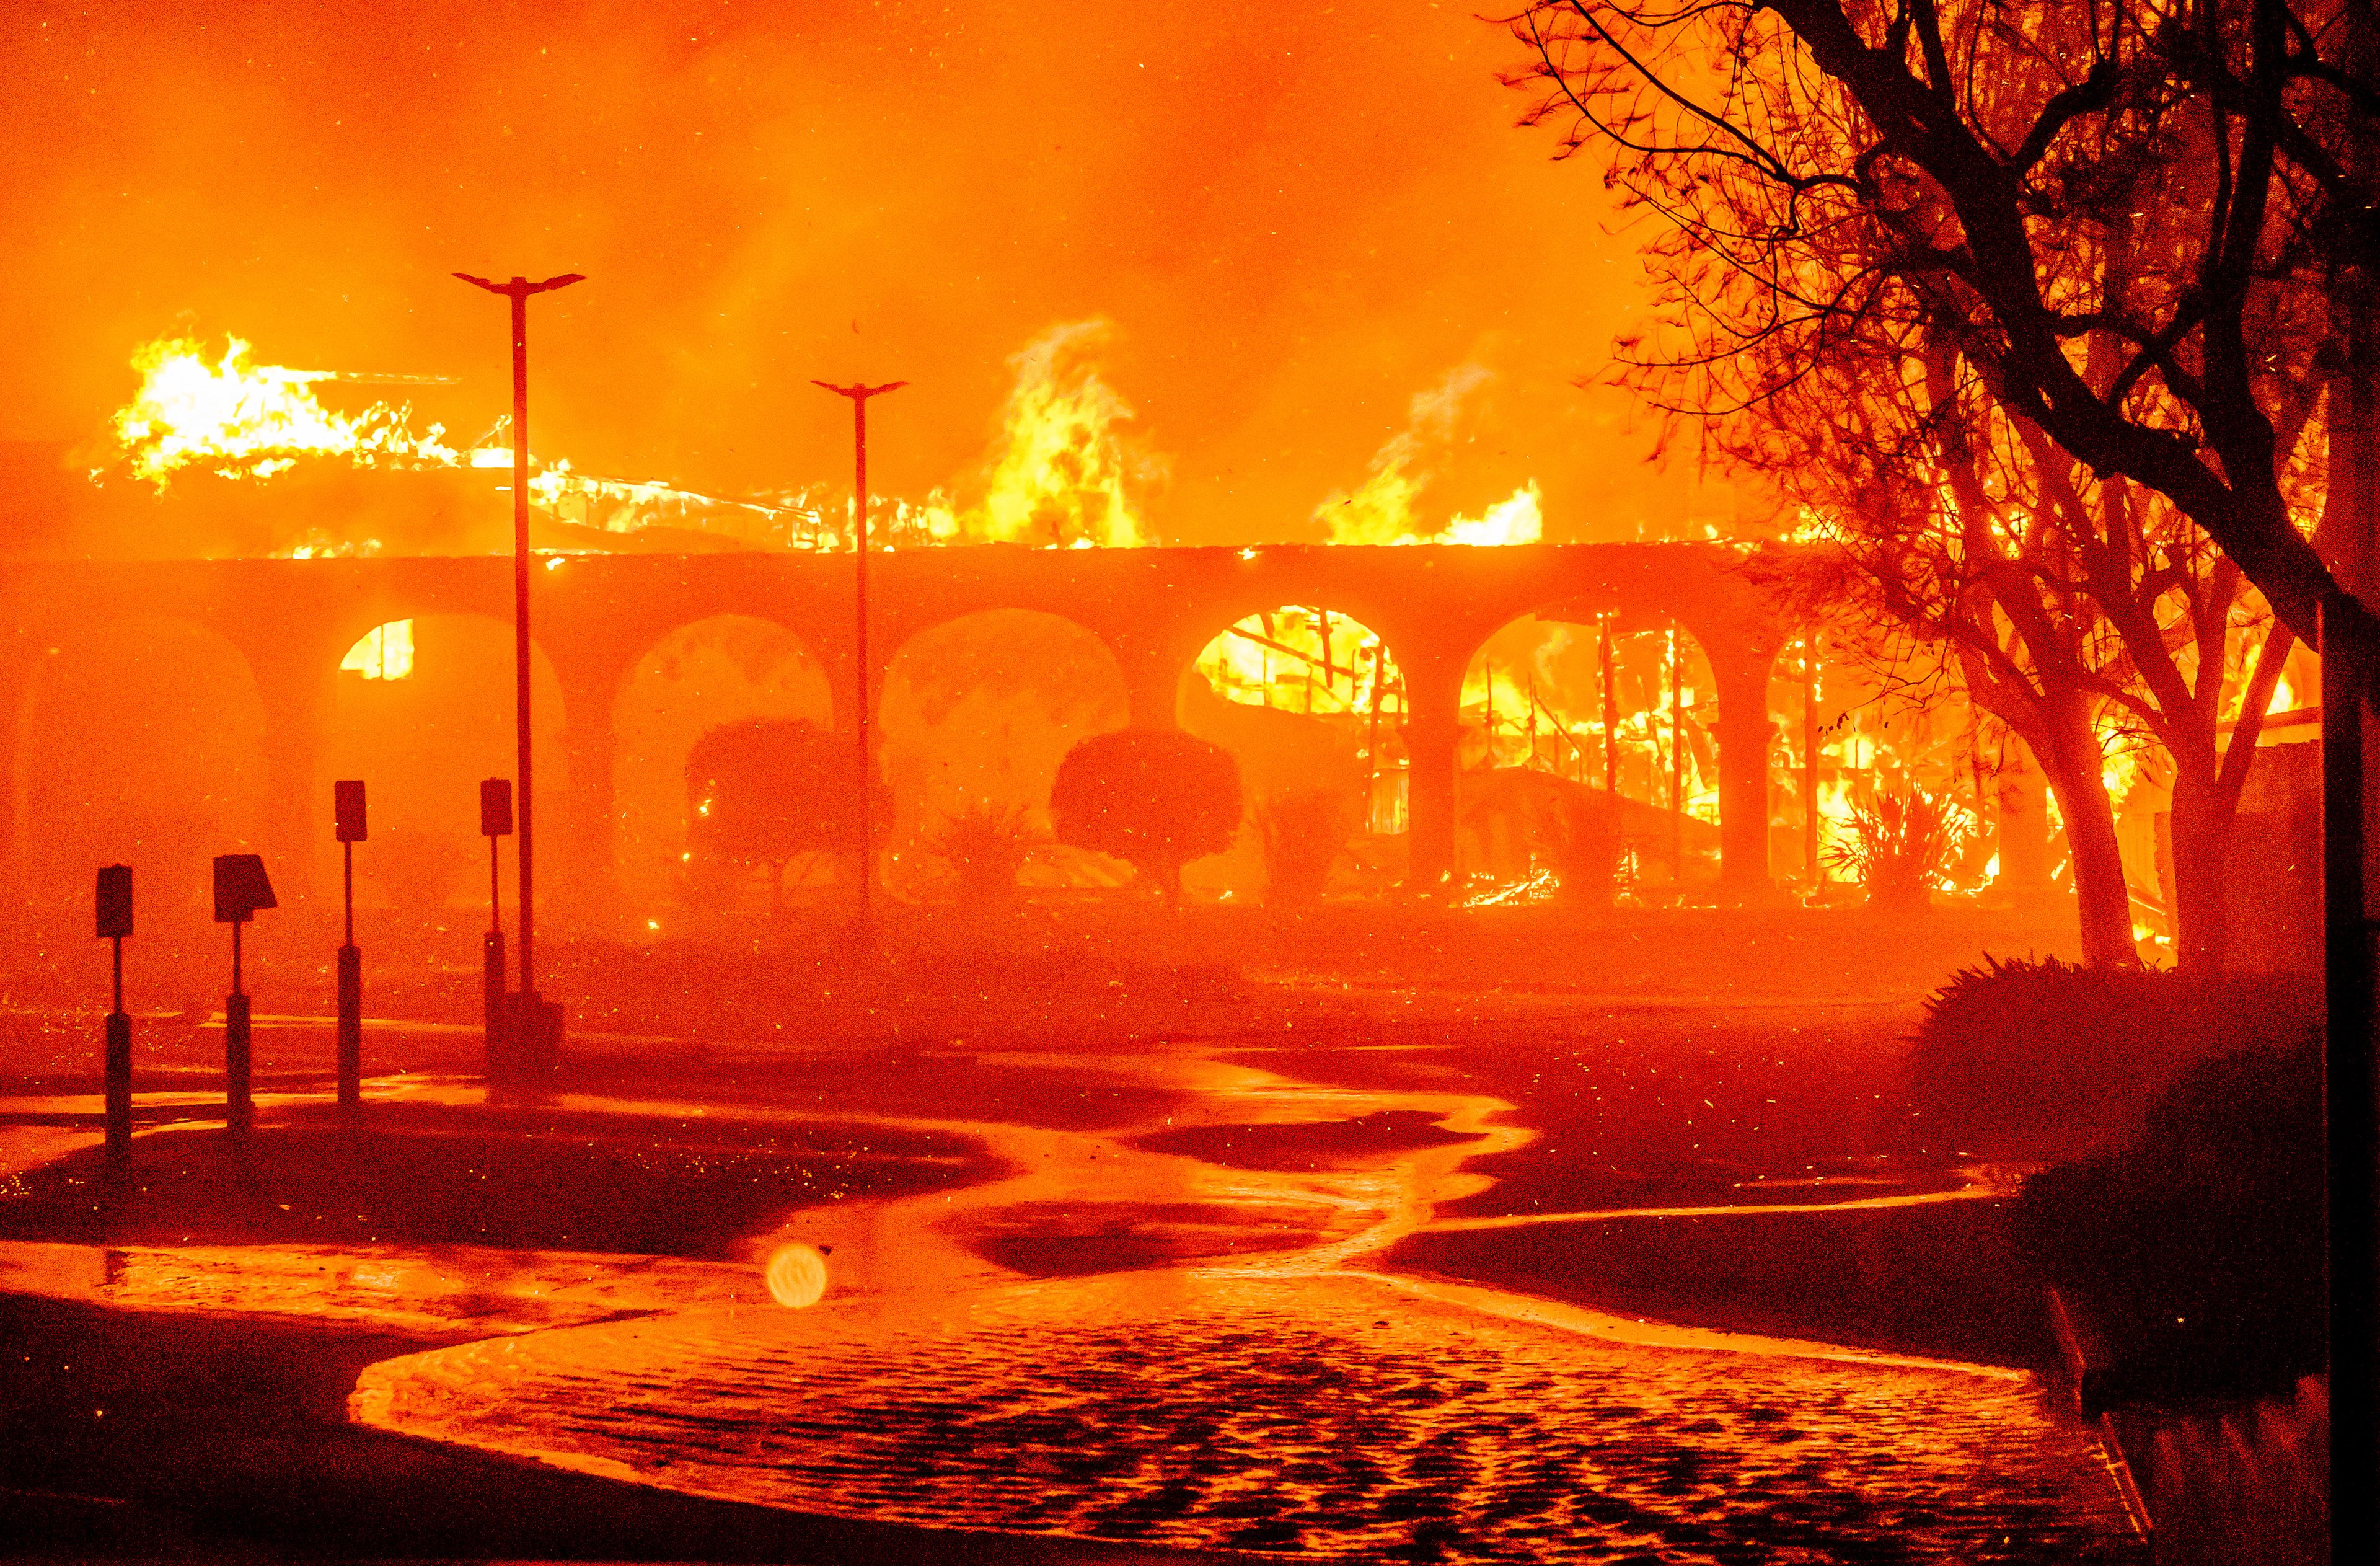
<point x="1540" y="885"/>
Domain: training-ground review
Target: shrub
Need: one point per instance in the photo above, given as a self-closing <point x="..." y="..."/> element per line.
<point x="765" y="790"/>
<point x="1897" y="844"/>
<point x="1301" y="833"/>
<point x="2020" y="1056"/>
<point x="1153" y="797"/>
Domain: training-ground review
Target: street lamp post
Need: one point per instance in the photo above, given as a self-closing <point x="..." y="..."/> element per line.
<point x="862" y="931"/>
<point x="519" y="291"/>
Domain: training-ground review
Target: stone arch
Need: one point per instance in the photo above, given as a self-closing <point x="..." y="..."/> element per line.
<point x="422" y="743"/>
<point x="1535" y="694"/>
<point x="981" y="708"/>
<point x="1307" y="698"/>
<point x="721" y="669"/>
<point x="140" y="740"/>
<point x="1200" y="632"/>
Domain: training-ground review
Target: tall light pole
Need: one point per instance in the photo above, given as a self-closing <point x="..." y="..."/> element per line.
<point x="864" y="772"/>
<point x="519" y="291"/>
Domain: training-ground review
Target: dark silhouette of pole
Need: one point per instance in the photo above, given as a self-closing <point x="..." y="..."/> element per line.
<point x="864" y="771"/>
<point x="347" y="808"/>
<point x="495" y="821"/>
<point x="115" y="924"/>
<point x="519" y="291"/>
<point x="1817" y="871"/>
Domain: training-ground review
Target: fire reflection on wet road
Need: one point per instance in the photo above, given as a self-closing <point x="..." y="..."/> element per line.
<point x="1326" y="1414"/>
<point x="1269" y="1393"/>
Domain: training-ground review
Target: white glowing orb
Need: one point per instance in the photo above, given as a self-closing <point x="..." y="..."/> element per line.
<point x="796" y="1277"/>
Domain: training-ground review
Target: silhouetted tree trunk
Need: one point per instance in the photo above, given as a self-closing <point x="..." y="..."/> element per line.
<point x="2069" y="750"/>
<point x="2206" y="793"/>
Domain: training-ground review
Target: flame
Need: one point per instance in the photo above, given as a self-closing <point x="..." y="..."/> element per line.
<point x="1380" y="510"/>
<point x="1066" y="474"/>
<point x="1315" y="661"/>
<point x="1515" y="519"/>
<point x="252" y="420"/>
<point x="2119" y="763"/>
<point x="318" y="545"/>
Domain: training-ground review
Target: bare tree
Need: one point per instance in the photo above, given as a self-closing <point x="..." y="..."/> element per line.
<point x="2037" y="292"/>
<point x="1976" y="150"/>
<point x="2081" y="615"/>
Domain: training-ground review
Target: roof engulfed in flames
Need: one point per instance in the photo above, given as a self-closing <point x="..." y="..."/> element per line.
<point x="241" y="420"/>
<point x="1063" y="471"/>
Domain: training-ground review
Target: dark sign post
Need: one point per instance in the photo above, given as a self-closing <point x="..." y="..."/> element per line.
<point x="347" y="812"/>
<point x="241" y="890"/>
<point x="115" y="924"/>
<point x="495" y="821"/>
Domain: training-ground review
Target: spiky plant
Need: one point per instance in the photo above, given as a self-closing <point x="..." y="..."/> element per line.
<point x="986" y="845"/>
<point x="1896" y="843"/>
<point x="1302" y="833"/>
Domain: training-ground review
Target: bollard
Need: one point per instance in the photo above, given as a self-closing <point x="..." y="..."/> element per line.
<point x="241" y="887"/>
<point x="348" y="817"/>
<point x="115" y="924"/>
<point x="119" y="1088"/>
<point x="495" y="821"/>
<point x="239" y="1107"/>
<point x="351" y="1030"/>
<point x="491" y="985"/>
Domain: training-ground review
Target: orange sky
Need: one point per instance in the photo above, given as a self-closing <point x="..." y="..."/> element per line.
<point x="1296" y="215"/>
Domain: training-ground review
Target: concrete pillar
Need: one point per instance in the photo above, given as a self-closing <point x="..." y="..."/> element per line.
<point x="295" y="689"/>
<point x="1433" y="724"/>
<point x="1152" y="679"/>
<point x="1743" y="732"/>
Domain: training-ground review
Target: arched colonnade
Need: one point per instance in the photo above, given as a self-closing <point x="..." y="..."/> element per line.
<point x="594" y="617"/>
